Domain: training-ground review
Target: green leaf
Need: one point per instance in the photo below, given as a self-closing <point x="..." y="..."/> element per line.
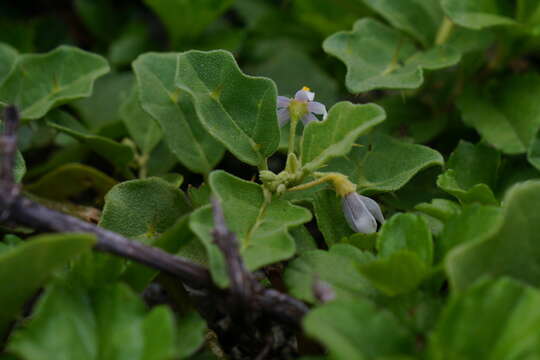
<point x="502" y="314"/>
<point x="19" y="169"/>
<point x="70" y="180"/>
<point x="99" y="112"/>
<point x="511" y="247"/>
<point x="237" y="109"/>
<point x="160" y="97"/>
<point x="399" y="273"/>
<point x="475" y="223"/>
<point x="330" y="218"/>
<point x="109" y="323"/>
<point x="384" y="164"/>
<point x="357" y="330"/>
<point x="344" y="279"/>
<point x="506" y="114"/>
<point x="143" y="208"/>
<point x="472" y="170"/>
<point x="480" y="193"/>
<point x="418" y="18"/>
<point x="405" y="253"/>
<point x="64" y="74"/>
<point x="185" y="19"/>
<point x="144" y="130"/>
<point x="261" y="226"/>
<point x="406" y="232"/>
<point x="336" y="135"/>
<point x="377" y="56"/>
<point x="480" y="14"/>
<point x="441" y="209"/>
<point x="8" y="57"/>
<point x="191" y="331"/>
<point x="474" y="164"/>
<point x="26" y="267"/>
<point x="118" y="154"/>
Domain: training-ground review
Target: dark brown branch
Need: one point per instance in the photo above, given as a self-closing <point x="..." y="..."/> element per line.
<point x="241" y="280"/>
<point x="19" y="209"/>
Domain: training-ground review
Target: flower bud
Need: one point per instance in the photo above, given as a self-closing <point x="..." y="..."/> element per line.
<point x="361" y="213"/>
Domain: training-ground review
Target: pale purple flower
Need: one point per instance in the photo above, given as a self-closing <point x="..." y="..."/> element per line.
<point x="361" y="213"/>
<point x="302" y="96"/>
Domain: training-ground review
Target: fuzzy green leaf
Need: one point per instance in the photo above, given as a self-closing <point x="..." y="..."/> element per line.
<point x="64" y="74"/>
<point x="383" y="164"/>
<point x="336" y="135"/>
<point x="237" y="109"/>
<point x="261" y="227"/>
<point x="8" y="57"/>
<point x="173" y="109"/>
<point x="377" y="56"/>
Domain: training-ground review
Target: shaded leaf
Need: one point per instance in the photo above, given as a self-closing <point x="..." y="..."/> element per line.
<point x="26" y="267"/>
<point x="71" y="180"/>
<point x="8" y="56"/>
<point x="505" y="114"/>
<point x="100" y="111"/>
<point x="511" y="248"/>
<point x="144" y="130"/>
<point x="336" y="325"/>
<point x="109" y="323"/>
<point x="314" y="265"/>
<point x="330" y="218"/>
<point x="118" y="154"/>
<point x="185" y="19"/>
<point x="481" y="14"/>
<point x="64" y="74"/>
<point x="418" y="18"/>
<point x="502" y="314"/>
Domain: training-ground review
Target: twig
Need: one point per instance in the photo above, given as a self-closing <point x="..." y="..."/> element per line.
<point x="241" y="281"/>
<point x="19" y="209"/>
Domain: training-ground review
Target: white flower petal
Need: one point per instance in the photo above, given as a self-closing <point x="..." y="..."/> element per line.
<point x="316" y="108"/>
<point x="283" y="101"/>
<point x="357" y="214"/>
<point x="283" y="116"/>
<point x="373" y="208"/>
<point x="309" y="117"/>
<point x="304" y="95"/>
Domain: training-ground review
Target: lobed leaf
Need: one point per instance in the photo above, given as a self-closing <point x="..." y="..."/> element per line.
<point x="377" y="56"/>
<point x="63" y="74"/>
<point x="336" y="135"/>
<point x="173" y="110"/>
<point x="261" y="226"/>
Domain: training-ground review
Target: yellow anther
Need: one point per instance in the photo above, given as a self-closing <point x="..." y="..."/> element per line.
<point x="305" y="88"/>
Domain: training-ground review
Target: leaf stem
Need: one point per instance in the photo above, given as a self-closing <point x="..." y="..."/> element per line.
<point x="445" y="30"/>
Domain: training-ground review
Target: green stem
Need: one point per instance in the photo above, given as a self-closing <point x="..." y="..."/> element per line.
<point x="258" y="223"/>
<point x="445" y="30"/>
<point x="292" y="134"/>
